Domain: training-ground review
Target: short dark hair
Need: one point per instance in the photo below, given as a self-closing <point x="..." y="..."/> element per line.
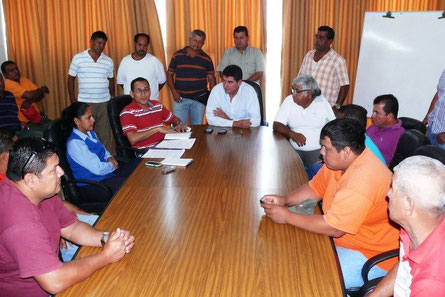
<point x="198" y="32"/>
<point x="345" y="133"/>
<point x="241" y="29"/>
<point x="75" y="110"/>
<point x="329" y="30"/>
<point x="6" y="63"/>
<point x="28" y="155"/>
<point x="5" y="141"/>
<point x="234" y="71"/>
<point x="138" y="79"/>
<point x="99" y="34"/>
<point x="355" y="112"/>
<point x="391" y="105"/>
<point x="137" y="36"/>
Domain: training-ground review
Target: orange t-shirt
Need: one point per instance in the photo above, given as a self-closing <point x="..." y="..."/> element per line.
<point x="355" y="203"/>
<point x="17" y="89"/>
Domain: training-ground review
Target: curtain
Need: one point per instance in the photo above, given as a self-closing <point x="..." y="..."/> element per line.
<point x="301" y="18"/>
<point x="44" y="35"/>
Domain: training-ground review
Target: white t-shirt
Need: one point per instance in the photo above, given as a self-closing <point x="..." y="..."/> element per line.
<point x="244" y="105"/>
<point x="308" y="121"/>
<point x="148" y="67"/>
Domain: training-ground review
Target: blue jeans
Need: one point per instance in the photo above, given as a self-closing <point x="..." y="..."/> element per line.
<point x="433" y="139"/>
<point x="351" y="263"/>
<point x="191" y="108"/>
<point x="67" y="255"/>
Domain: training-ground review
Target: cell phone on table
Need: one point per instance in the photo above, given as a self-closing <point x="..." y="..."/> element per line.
<point x="208" y="130"/>
<point x="153" y="164"/>
<point x="222" y="131"/>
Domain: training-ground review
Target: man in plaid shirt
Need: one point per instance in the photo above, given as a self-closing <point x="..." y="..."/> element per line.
<point x="327" y="67"/>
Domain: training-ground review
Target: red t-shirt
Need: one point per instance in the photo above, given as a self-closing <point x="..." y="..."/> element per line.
<point x="2" y="177"/>
<point x="134" y="118"/>
<point x="29" y="240"/>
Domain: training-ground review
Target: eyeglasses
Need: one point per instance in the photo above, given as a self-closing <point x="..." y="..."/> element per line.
<point x="295" y="91"/>
<point x="45" y="145"/>
<point x="142" y="91"/>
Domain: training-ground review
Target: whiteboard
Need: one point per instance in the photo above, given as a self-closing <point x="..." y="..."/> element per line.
<point x="403" y="56"/>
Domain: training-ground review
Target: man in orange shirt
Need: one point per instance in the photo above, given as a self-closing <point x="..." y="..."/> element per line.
<point x="352" y="184"/>
<point x="26" y="94"/>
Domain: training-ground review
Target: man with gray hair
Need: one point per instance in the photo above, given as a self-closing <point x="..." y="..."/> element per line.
<point x="417" y="204"/>
<point x="301" y="117"/>
<point x="188" y="73"/>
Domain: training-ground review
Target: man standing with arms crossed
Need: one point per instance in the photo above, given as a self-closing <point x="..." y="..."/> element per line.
<point x="327" y="67"/>
<point x="94" y="70"/>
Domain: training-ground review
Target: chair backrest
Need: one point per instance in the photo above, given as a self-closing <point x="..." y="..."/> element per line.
<point x="115" y="106"/>
<point x="408" y="143"/>
<point x="410" y="123"/>
<point x="260" y="99"/>
<point x="431" y="151"/>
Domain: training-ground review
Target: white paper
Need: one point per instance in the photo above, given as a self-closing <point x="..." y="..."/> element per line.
<point x="177" y="144"/>
<point x="154" y="153"/>
<point x="176" y="162"/>
<point x="183" y="135"/>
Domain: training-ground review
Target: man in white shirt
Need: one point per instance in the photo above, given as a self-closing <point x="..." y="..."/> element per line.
<point x="233" y="103"/>
<point x="141" y="64"/>
<point x="301" y="117"/>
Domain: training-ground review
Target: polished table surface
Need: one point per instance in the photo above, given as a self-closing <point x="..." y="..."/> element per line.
<point x="200" y="230"/>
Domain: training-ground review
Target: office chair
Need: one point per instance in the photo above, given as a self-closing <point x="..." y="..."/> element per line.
<point x="431" y="151"/>
<point x="408" y="143"/>
<point x="260" y="100"/>
<point x="410" y="123"/>
<point x="123" y="147"/>
<point x="57" y="134"/>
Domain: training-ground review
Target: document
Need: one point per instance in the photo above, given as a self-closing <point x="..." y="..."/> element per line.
<point x="154" y="153"/>
<point x="183" y="135"/>
<point x="177" y="144"/>
<point x="176" y="162"/>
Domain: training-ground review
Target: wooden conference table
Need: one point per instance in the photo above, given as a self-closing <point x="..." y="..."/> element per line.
<point x="200" y="230"/>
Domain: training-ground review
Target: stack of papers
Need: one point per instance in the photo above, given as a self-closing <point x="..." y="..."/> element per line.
<point x="176" y="162"/>
<point x="184" y="135"/>
<point x="154" y="153"/>
<point x="176" y="144"/>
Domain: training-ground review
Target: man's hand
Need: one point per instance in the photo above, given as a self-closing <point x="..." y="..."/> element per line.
<point x="180" y="128"/>
<point x="276" y="213"/>
<point x="441" y="138"/>
<point x="118" y="244"/>
<point x="242" y="124"/>
<point x="273" y="199"/>
<point x="26" y="104"/>
<point x="299" y="138"/>
<point x="165" y="130"/>
<point x="113" y="161"/>
<point x="220" y="113"/>
<point x="177" y="97"/>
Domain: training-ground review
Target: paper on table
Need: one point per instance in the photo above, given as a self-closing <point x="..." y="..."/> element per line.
<point x="183" y="135"/>
<point x="153" y="153"/>
<point x="177" y="143"/>
<point x="176" y="162"/>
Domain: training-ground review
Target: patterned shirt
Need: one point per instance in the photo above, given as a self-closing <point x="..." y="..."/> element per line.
<point x="330" y="73"/>
<point x="93" y="76"/>
<point x="436" y="119"/>
<point x="191" y="72"/>
<point x="8" y="112"/>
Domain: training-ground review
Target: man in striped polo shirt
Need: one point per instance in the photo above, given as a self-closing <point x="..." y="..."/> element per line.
<point x="327" y="67"/>
<point x="94" y="70"/>
<point x="189" y="70"/>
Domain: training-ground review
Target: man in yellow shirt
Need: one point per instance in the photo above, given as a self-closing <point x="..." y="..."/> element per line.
<point x="26" y="94"/>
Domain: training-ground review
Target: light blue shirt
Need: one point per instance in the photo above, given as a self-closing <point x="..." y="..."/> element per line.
<point x="244" y="105"/>
<point x="436" y="119"/>
<point x="79" y="152"/>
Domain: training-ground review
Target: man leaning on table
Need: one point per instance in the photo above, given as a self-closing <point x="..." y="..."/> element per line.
<point x="352" y="184"/>
<point x="32" y="220"/>
<point x="233" y="103"/>
<point x="143" y="120"/>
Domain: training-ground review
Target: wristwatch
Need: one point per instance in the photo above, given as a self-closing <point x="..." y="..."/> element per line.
<point x="337" y="105"/>
<point x="104" y="238"/>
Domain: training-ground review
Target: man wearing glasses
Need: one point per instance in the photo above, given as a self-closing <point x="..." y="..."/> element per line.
<point x="143" y="119"/>
<point x="327" y="67"/>
<point x="32" y="220"/>
<point x="301" y="117"/>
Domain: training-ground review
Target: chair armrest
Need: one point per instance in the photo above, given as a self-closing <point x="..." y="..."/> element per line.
<point x="137" y="152"/>
<point x="92" y="182"/>
<point x="368" y="287"/>
<point x="375" y="260"/>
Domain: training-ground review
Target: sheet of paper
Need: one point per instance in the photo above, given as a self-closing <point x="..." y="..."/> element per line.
<point x="154" y="153"/>
<point x="176" y="162"/>
<point x="177" y="144"/>
<point x="183" y="135"/>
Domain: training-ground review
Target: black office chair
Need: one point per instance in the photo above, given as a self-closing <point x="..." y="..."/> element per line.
<point x="431" y="151"/>
<point x="123" y="147"/>
<point x="410" y="123"/>
<point x="57" y="134"/>
<point x="260" y="99"/>
<point x="408" y="143"/>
